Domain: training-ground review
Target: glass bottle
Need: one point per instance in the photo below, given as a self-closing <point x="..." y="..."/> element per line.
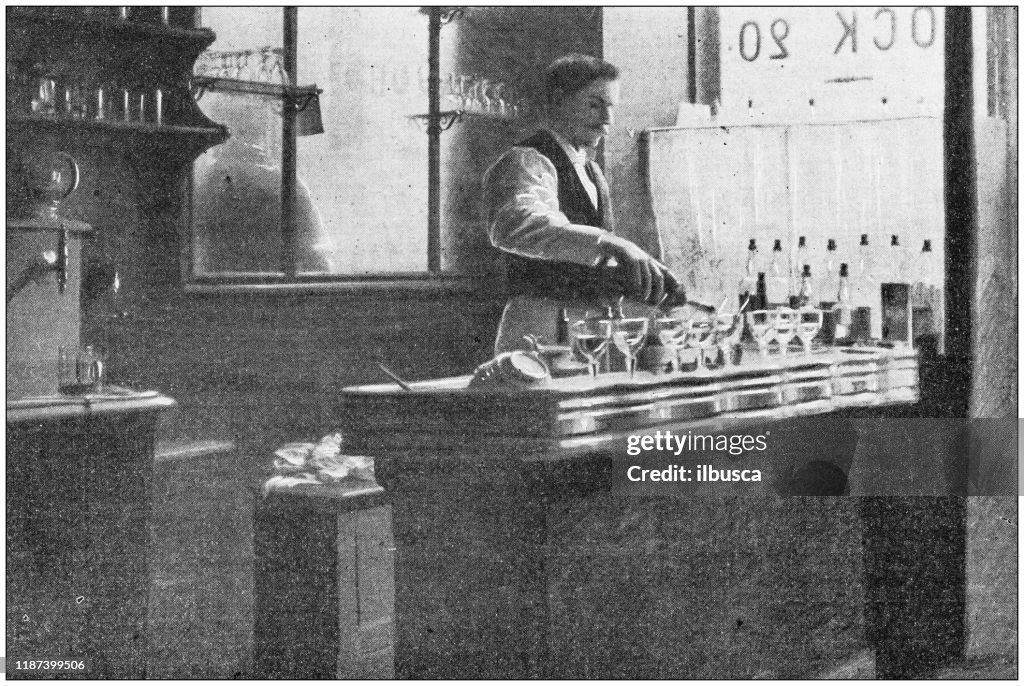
<point x="866" y="291"/>
<point x="897" y="259"/>
<point x="778" y="283"/>
<point x="797" y="269"/>
<point x="864" y="274"/>
<point x="830" y="278"/>
<point x="805" y="297"/>
<point x="842" y="310"/>
<point x="762" y="292"/>
<point x="748" y="284"/>
<point x="922" y="278"/>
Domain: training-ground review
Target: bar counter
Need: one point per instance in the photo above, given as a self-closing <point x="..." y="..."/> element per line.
<point x="517" y="557"/>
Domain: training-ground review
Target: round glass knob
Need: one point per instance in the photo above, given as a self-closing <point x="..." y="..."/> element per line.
<point x="50" y="177"/>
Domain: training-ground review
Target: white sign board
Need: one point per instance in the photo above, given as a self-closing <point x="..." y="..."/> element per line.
<point x="831" y="63"/>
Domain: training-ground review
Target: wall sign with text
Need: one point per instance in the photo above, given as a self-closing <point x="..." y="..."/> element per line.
<point x="832" y="63"/>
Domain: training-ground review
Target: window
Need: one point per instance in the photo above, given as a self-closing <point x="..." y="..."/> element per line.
<point x="390" y="190"/>
<point x="272" y="205"/>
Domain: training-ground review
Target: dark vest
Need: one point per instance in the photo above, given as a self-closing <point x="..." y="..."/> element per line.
<point x="554" y="279"/>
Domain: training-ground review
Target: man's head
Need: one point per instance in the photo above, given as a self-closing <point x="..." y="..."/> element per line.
<point x="580" y="92"/>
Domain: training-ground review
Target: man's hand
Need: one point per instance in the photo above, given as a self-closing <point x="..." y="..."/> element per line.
<point x="645" y="277"/>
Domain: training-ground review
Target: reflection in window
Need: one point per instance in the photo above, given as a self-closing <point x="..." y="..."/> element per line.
<point x="368" y="173"/>
<point x="360" y="205"/>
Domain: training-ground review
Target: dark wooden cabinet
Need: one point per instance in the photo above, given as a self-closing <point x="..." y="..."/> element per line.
<point x="94" y="67"/>
<point x="78" y="509"/>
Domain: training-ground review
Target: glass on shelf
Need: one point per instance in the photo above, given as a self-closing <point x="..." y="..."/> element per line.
<point x="100" y="103"/>
<point x="45" y="101"/>
<point x="485" y="100"/>
<point x="501" y="107"/>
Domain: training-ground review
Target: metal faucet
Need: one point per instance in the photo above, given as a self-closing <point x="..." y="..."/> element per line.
<point x="41" y="265"/>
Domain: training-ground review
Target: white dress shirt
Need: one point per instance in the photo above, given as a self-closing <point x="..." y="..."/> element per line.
<point x="522" y="212"/>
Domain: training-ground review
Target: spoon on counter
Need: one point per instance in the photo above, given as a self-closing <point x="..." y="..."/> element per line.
<point x="394" y="377"/>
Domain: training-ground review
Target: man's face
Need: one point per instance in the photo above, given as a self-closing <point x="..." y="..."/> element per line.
<point x="585" y="116"/>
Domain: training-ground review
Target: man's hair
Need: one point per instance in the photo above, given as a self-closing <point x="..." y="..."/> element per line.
<point x="573" y="73"/>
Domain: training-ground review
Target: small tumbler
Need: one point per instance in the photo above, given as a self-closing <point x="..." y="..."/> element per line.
<point x="80" y="369"/>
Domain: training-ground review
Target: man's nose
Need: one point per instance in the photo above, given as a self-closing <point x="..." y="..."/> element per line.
<point x="606" y="116"/>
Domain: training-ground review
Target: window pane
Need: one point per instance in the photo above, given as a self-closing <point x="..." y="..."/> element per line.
<point x="236" y="210"/>
<point x="362" y="192"/>
<point x="491" y="63"/>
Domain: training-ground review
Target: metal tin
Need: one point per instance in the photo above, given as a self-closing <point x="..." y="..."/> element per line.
<point x="517" y="369"/>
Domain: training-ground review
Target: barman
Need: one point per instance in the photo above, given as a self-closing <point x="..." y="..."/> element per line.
<point x="548" y="210"/>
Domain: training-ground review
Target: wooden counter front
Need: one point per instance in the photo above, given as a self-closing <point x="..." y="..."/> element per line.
<point x="515" y="557"/>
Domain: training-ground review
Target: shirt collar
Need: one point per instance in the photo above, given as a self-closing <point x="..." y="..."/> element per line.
<point x="575" y="155"/>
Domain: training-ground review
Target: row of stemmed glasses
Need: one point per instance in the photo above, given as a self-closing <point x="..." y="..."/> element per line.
<point x="722" y="331"/>
<point x="782" y="326"/>
<point x="591" y="338"/>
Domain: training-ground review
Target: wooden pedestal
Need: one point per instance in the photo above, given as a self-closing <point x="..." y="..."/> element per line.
<point x="324" y="584"/>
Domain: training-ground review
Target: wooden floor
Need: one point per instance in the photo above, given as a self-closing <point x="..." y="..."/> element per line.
<point x="201" y="589"/>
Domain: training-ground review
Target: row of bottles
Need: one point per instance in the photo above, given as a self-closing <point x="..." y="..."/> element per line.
<point x="783" y="278"/>
<point x="844" y="287"/>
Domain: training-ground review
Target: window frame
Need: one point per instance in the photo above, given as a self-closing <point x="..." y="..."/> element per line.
<point x="287" y="279"/>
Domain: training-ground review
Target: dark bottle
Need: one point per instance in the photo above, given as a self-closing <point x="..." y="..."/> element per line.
<point x="761" y="299"/>
<point x="562" y="328"/>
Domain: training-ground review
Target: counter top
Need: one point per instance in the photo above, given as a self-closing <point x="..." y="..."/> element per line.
<point x="57" y="407"/>
<point x="583" y="413"/>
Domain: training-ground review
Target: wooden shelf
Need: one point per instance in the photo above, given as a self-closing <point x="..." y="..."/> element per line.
<point x="25" y="21"/>
<point x="73" y="226"/>
<point x="174" y="140"/>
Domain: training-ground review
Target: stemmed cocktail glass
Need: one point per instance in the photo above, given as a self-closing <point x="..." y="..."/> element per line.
<point x="590" y="338"/>
<point x="784" y="322"/>
<point x="698" y="332"/>
<point x="808" y="323"/>
<point x="670" y="332"/>
<point x="629" y="336"/>
<point x="728" y="329"/>
<point x="761" y="323"/>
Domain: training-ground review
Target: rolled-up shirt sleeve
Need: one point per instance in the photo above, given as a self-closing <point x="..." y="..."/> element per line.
<point x="522" y="213"/>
